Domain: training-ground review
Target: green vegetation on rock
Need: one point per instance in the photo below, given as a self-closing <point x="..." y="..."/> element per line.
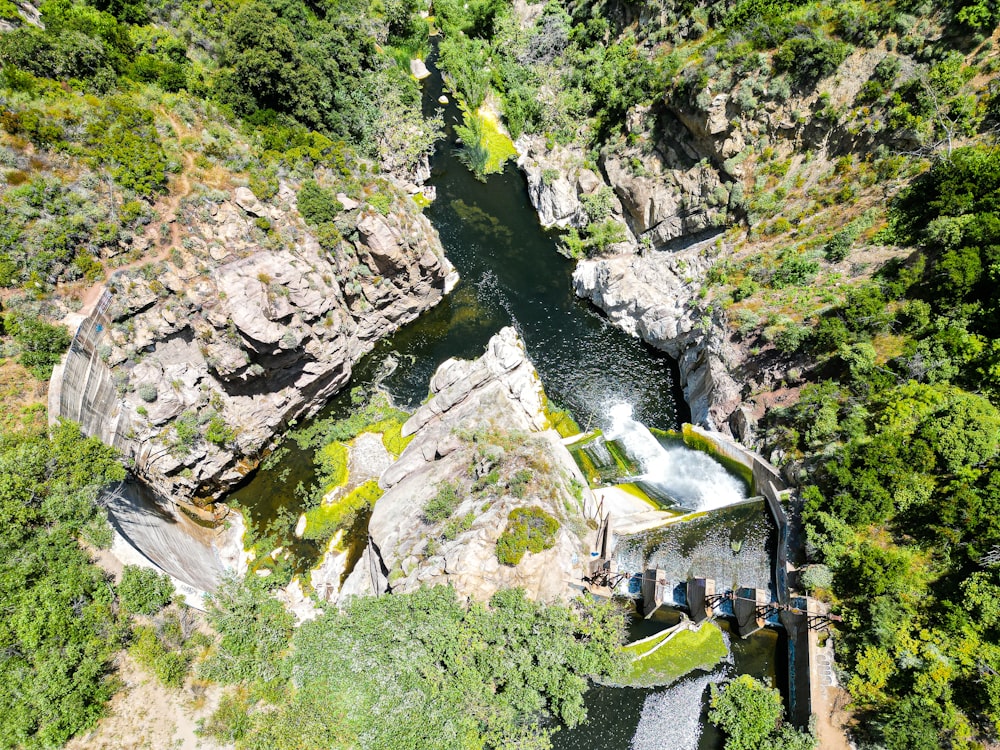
<point x="528" y="530"/>
<point x="323" y="521"/>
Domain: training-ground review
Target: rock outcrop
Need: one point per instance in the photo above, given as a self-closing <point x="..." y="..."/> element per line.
<point x="254" y="324"/>
<point x="663" y="192"/>
<point x="653" y="296"/>
<point x="483" y="433"/>
<point x="557" y="180"/>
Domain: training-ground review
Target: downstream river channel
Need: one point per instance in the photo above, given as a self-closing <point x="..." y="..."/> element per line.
<point x="512" y="274"/>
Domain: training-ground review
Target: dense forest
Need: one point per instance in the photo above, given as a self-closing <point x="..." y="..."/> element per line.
<point x="864" y="263"/>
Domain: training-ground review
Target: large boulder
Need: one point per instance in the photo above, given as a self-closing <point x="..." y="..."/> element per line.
<point x="484" y="423"/>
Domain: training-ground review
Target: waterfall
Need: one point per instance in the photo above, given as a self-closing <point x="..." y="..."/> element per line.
<point x="691" y="478"/>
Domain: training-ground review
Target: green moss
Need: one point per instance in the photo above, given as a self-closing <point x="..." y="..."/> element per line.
<point x="528" y="530"/>
<point x="685" y="652"/>
<point x="332" y="465"/>
<point x="393" y="440"/>
<point x="322" y="522"/>
<point x="561" y="420"/>
<point x="636" y="491"/>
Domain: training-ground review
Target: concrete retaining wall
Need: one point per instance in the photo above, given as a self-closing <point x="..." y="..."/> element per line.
<point x="766" y="481"/>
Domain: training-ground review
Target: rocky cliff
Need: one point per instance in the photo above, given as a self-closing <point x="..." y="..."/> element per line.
<point x="251" y="324"/>
<point x="653" y="296"/>
<point x="681" y="174"/>
<point x="483" y="439"/>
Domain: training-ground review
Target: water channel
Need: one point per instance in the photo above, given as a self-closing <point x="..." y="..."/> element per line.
<point x="511" y="274"/>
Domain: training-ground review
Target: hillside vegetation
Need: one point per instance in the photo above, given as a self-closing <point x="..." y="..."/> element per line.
<point x="846" y="155"/>
<point x="854" y="146"/>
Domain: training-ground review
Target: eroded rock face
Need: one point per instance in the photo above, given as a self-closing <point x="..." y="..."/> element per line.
<point x="252" y="325"/>
<point x="486" y="418"/>
<point x="653" y="296"/>
<point x="557" y="181"/>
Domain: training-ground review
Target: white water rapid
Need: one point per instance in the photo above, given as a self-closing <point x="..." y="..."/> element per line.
<point x="691" y="478"/>
<point x="672" y="718"/>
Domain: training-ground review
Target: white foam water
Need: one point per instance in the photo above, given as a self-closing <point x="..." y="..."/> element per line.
<point x="693" y="479"/>
<point x="672" y="718"/>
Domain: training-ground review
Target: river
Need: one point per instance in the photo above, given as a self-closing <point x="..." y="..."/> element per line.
<point x="512" y="274"/>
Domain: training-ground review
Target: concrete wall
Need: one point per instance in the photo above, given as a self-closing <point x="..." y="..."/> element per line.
<point x="768" y="483"/>
<point x="82" y="387"/>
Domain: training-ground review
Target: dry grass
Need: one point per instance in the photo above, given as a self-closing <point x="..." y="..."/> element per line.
<point x="23" y="397"/>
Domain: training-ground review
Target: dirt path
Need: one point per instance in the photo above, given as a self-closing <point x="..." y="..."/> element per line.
<point x="166" y="208"/>
<point x="144" y="715"/>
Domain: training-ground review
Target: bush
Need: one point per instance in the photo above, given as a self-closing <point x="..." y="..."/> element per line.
<point x="794" y="270"/>
<point x="317" y="205"/>
<point x="169" y="667"/>
<point x="528" y="530"/>
<point x="218" y="432"/>
<point x="143" y="591"/>
<point x="817" y="577"/>
<point x="443" y="504"/>
<point x="599" y="205"/>
<point x="809" y="59"/>
<point x="838" y="246"/>
<point x="147" y="392"/>
<point x="42" y="344"/>
<point x="746" y="288"/>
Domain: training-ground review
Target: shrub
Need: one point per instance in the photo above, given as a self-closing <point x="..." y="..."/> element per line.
<point x="810" y="59"/>
<point x="381" y="203"/>
<point x="143" y="591"/>
<point x="317" y="205"/>
<point x="599" y="205"/>
<point x="169" y="667"/>
<point x="218" y="432"/>
<point x="838" y="246"/>
<point x="817" y="577"/>
<point x="443" y="504"/>
<point x="147" y="392"/>
<point x="746" y="288"/>
<point x="42" y="344"/>
<point x="187" y="433"/>
<point x="528" y="530"/>
<point x="794" y="270"/>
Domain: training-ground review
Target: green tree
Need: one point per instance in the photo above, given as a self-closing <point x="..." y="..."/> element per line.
<point x="59" y="630"/>
<point x="420" y="670"/>
<point x="264" y="67"/>
<point x="143" y="591"/>
<point x="750" y="714"/>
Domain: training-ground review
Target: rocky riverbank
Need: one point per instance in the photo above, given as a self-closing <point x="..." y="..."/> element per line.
<point x="251" y="324"/>
<point x="645" y="285"/>
<point x="485" y="435"/>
